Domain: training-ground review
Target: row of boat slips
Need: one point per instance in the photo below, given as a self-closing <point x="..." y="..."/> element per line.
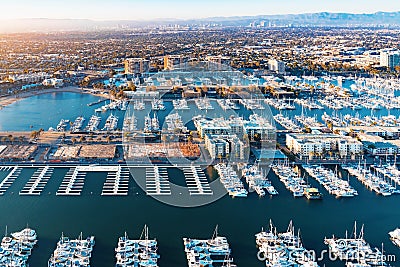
<point x="37" y="182"/>
<point x="117" y="183"/>
<point x="291" y="179"/>
<point x="355" y="251"/>
<point x="9" y="180"/>
<point x="157" y="182"/>
<point x="330" y="181"/>
<point x="230" y="180"/>
<point x="72" y="183"/>
<point x="72" y="252"/>
<point x="196" y="181"/>
<point x="16" y="249"/>
<point x="283" y="249"/>
<point x="135" y="253"/>
<point x="208" y="252"/>
<point x="258" y="181"/>
<point x="388" y="171"/>
<point x="373" y="182"/>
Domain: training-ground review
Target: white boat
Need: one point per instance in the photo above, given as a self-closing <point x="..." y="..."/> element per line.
<point x="395" y="236"/>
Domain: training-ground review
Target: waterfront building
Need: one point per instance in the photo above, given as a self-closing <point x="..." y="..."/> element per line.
<point x="317" y="144"/>
<point x="256" y="127"/>
<point x="225" y="146"/>
<point x="29" y="78"/>
<point x="53" y="82"/>
<point x="380" y="148"/>
<point x="136" y="65"/>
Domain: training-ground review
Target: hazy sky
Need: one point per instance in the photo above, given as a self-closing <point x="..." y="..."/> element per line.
<point x="150" y="9"/>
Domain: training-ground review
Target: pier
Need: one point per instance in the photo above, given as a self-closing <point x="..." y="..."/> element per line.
<point x="37" y="182"/>
<point x="117" y="183"/>
<point x="157" y="181"/>
<point x="196" y="181"/>
<point x="9" y="180"/>
<point x="72" y="184"/>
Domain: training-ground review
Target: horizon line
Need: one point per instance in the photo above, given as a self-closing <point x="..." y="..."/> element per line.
<point x="196" y="18"/>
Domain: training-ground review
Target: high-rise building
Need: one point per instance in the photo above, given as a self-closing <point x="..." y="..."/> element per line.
<point x="276" y="65"/>
<point x="390" y="59"/>
<point x="136" y="65"/>
<point x="171" y="61"/>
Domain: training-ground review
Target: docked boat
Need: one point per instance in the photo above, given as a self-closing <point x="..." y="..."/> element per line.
<point x="141" y="252"/>
<point x="283" y="249"/>
<point x="208" y="252"/>
<point x="312" y="193"/>
<point x="395" y="236"/>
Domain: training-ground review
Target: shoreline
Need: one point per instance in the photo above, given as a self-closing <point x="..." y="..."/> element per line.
<point x="8" y="100"/>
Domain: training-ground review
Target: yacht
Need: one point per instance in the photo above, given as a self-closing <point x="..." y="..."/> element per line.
<point x="312" y="193"/>
<point x="395" y="236"/>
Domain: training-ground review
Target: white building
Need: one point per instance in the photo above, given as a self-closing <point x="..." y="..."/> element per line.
<point x="257" y="128"/>
<point x="225" y="146"/>
<point x="310" y="145"/>
<point x="29" y="78"/>
<point x="136" y="65"/>
<point x="390" y="59"/>
<point x="53" y="82"/>
<point x="276" y="65"/>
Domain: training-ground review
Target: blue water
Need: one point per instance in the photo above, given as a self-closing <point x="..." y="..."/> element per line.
<point x="239" y="219"/>
<point x="46" y="110"/>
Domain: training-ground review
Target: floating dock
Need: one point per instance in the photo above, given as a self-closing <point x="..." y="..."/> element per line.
<point x="117" y="183"/>
<point x="37" y="182"/>
<point x="9" y="180"/>
<point x="157" y="182"/>
<point x="72" y="184"/>
<point x="196" y="181"/>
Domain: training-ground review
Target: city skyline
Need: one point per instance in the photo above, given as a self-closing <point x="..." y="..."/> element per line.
<point x="178" y="9"/>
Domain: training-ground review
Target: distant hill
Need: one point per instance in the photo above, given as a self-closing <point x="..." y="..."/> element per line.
<point x="308" y="19"/>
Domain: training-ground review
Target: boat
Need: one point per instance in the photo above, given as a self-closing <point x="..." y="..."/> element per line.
<point x="312" y="193"/>
<point x="208" y="252"/>
<point x="395" y="236"/>
<point x="141" y="252"/>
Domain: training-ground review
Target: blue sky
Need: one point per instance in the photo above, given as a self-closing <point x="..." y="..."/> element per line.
<point x="150" y="9"/>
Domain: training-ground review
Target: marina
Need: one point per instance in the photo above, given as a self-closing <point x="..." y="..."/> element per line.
<point x="330" y="181"/>
<point x="196" y="181"/>
<point x="117" y="183"/>
<point x="157" y="182"/>
<point x="258" y="181"/>
<point x="230" y="180"/>
<point x="211" y="252"/>
<point x="283" y="249"/>
<point x="16" y="249"/>
<point x="38" y="181"/>
<point x="291" y="179"/>
<point x="72" y="252"/>
<point x="373" y="182"/>
<point x="135" y="253"/>
<point x="72" y="184"/>
<point x="355" y="250"/>
<point x="9" y="179"/>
